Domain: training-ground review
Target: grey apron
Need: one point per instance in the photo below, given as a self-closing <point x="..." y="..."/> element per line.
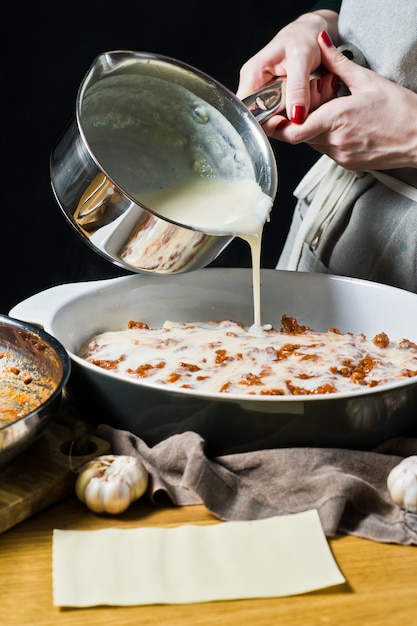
<point x="363" y="224"/>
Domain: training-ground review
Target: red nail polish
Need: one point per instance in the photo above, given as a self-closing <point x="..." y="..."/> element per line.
<point x="335" y="84"/>
<point x="326" y="38"/>
<point x="298" y="113"/>
<point x="284" y="122"/>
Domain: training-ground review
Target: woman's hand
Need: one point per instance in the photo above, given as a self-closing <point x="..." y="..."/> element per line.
<point x="294" y="52"/>
<point x="373" y="128"/>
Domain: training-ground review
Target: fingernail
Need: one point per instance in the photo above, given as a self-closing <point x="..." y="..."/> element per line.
<point x="326" y="38"/>
<point x="319" y="83"/>
<point x="284" y="122"/>
<point x="298" y="113"/>
<point x="335" y="84"/>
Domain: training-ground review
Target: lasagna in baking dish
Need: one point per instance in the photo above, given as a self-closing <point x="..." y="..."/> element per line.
<point x="227" y="357"/>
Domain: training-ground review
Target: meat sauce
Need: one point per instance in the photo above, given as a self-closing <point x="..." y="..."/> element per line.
<point x="227" y="357"/>
<point x="21" y="391"/>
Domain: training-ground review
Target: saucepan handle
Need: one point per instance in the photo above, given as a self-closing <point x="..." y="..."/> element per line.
<point x="270" y="99"/>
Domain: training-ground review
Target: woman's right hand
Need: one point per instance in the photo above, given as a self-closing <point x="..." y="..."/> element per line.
<point x="294" y="52"/>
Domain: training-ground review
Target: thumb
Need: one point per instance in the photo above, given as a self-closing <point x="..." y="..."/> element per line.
<point x="341" y="61"/>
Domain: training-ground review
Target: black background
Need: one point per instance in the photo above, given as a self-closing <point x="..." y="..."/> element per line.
<point x="47" y="50"/>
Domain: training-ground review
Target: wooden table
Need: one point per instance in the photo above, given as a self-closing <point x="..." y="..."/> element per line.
<point x="381" y="579"/>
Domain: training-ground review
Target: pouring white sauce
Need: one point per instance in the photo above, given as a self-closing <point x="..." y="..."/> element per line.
<point x="219" y="207"/>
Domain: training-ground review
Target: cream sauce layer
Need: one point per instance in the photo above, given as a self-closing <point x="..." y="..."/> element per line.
<point x="229" y="358"/>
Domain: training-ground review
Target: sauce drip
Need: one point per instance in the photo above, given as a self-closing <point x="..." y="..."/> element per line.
<point x="214" y="206"/>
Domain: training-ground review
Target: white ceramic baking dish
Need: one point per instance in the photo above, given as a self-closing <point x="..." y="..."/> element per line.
<point x="74" y="312"/>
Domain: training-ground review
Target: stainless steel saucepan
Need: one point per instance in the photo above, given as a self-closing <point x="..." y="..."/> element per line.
<point x="145" y="122"/>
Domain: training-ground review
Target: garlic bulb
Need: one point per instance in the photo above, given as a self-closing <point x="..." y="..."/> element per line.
<point x="110" y="483"/>
<point x="402" y="484"/>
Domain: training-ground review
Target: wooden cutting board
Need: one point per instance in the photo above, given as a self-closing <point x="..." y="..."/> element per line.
<point x="46" y="472"/>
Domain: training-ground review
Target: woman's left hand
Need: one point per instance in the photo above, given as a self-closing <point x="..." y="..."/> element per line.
<point x="375" y="127"/>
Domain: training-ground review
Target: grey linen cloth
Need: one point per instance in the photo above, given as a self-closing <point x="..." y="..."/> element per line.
<point x="347" y="487"/>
